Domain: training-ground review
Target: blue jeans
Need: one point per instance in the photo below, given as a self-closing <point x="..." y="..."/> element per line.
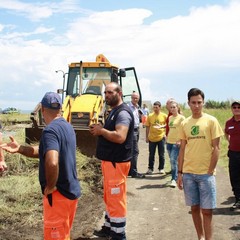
<point x="200" y="190"/>
<point x="173" y="151"/>
<point x="161" y="151"/>
<point x="133" y="170"/>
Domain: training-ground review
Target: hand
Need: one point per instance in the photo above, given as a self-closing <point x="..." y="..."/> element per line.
<point x="180" y="182"/>
<point x="210" y="172"/>
<point x="11" y="147"/>
<point x="95" y="129"/>
<point x="49" y="190"/>
<point x="3" y="166"/>
<point x="178" y="143"/>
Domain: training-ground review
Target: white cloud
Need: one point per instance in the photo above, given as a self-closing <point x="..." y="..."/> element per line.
<point x="41" y="10"/>
<point x="205" y="40"/>
<point x="17" y="36"/>
<point x="1" y="27"/>
<point x="206" y="37"/>
<point x="34" y="11"/>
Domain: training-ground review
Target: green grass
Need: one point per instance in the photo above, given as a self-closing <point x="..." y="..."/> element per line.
<point x="8" y="118"/>
<point x="21" y="199"/>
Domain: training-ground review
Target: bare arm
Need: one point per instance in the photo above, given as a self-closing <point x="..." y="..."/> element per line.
<point x="180" y="162"/>
<point x="15" y="147"/>
<point x="51" y="171"/>
<point x="3" y="165"/>
<point x="215" y="155"/>
<point x="117" y="136"/>
<point x="147" y="133"/>
<point x="227" y="136"/>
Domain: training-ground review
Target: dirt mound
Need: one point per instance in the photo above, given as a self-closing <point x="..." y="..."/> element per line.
<point x="155" y="211"/>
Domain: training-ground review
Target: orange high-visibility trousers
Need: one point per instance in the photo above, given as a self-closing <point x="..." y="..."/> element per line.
<point x="58" y="218"/>
<point x="115" y="195"/>
<point x="144" y="120"/>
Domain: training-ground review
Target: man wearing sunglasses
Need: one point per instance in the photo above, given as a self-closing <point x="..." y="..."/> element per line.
<point x="232" y="133"/>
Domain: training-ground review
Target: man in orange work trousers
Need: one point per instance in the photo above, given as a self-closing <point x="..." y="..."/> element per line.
<point x="57" y="169"/>
<point x="114" y="148"/>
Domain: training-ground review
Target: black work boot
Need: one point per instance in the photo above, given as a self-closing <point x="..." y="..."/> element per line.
<point x="236" y="205"/>
<point x="104" y="232"/>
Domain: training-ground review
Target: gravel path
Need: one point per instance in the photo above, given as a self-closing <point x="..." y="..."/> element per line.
<point x="158" y="212"/>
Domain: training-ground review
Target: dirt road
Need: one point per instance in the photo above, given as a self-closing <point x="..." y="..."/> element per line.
<point x="158" y="212"/>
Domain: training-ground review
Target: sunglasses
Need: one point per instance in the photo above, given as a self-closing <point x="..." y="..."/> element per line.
<point x="236" y="107"/>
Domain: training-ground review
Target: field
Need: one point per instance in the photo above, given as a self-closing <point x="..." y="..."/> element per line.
<point x="20" y="202"/>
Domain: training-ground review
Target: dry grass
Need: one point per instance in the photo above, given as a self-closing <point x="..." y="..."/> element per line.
<point x="21" y="200"/>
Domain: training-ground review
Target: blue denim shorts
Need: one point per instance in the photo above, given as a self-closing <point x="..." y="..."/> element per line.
<point x="200" y="190"/>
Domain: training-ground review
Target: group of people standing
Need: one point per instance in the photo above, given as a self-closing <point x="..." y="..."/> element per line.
<point x="192" y="144"/>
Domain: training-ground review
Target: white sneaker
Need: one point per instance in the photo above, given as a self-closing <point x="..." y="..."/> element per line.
<point x="161" y="171"/>
<point x="149" y="172"/>
<point x="173" y="184"/>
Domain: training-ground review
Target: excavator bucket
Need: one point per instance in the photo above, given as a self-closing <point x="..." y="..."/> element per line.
<point x="86" y="142"/>
<point x="32" y="135"/>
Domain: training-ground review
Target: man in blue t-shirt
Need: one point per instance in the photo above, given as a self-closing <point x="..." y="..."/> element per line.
<point x="57" y="168"/>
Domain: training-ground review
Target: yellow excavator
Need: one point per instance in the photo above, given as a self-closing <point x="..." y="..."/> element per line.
<point x="83" y="99"/>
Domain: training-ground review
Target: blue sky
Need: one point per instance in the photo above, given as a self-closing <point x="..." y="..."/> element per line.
<point x="174" y="45"/>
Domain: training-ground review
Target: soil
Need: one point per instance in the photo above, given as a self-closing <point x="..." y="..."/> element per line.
<point x="155" y="211"/>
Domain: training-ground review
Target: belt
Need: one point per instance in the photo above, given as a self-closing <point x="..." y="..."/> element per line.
<point x="136" y="129"/>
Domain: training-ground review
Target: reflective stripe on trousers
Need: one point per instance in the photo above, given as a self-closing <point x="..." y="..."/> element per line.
<point x="115" y="196"/>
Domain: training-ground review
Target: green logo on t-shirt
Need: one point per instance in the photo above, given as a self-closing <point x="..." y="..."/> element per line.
<point x="171" y="124"/>
<point x="195" y="130"/>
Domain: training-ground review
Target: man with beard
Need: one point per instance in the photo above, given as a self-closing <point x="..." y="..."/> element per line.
<point x="114" y="149"/>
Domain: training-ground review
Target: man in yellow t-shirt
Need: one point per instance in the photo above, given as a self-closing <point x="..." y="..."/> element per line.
<point x="155" y="136"/>
<point x="199" y="151"/>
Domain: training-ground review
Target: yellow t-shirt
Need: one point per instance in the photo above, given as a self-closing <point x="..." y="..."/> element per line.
<point x="154" y="122"/>
<point x="199" y="134"/>
<point x="174" y="124"/>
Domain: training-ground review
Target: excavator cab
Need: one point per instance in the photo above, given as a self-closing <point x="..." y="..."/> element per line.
<point x="83" y="99"/>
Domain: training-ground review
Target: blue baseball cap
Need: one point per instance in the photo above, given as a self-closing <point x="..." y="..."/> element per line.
<point x="51" y="100"/>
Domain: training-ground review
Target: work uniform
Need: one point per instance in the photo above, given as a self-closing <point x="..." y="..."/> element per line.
<point x="59" y="207"/>
<point x="115" y="167"/>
